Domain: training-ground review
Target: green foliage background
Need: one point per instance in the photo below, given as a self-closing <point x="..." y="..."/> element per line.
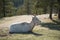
<point x="34" y="7"/>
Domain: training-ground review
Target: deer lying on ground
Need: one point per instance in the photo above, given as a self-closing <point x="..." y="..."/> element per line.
<point x="24" y="27"/>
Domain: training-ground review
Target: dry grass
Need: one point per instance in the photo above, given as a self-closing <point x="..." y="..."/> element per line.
<point x="39" y="33"/>
<point x="48" y="30"/>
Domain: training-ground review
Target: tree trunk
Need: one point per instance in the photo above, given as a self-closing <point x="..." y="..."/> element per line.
<point x="59" y="9"/>
<point x="4" y="8"/>
<point x="51" y="13"/>
<point x="59" y="14"/>
<point x="51" y="8"/>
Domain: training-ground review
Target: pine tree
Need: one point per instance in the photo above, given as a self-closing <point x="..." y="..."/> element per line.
<point x="9" y="8"/>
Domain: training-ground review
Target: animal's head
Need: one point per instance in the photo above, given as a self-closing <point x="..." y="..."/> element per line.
<point x="35" y="20"/>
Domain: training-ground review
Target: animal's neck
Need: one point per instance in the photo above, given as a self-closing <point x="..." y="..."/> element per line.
<point x="33" y="22"/>
<point x="32" y="25"/>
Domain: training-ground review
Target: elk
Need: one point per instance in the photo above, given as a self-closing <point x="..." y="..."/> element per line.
<point x="24" y="27"/>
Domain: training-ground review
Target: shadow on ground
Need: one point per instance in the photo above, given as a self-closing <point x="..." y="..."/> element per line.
<point x="56" y="21"/>
<point x="36" y="34"/>
<point x="52" y="26"/>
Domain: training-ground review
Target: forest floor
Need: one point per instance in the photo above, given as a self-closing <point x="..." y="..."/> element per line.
<point x="47" y="30"/>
